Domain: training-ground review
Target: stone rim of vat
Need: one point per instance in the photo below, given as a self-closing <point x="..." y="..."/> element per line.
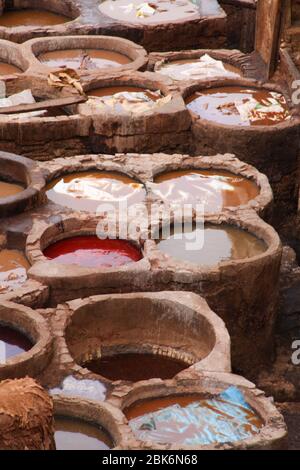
<point x="203" y="85"/>
<point x="244" y="220"/>
<point x="273" y="434"/>
<point x="11" y="53"/>
<point x="145" y="169"/>
<point x="36" y="328"/>
<point x="171" y="116"/>
<point x="108" y="417"/>
<point x="23" y="33"/>
<point x="233" y="57"/>
<point x="136" y="53"/>
<point x="28" y="173"/>
<point x="216" y="356"/>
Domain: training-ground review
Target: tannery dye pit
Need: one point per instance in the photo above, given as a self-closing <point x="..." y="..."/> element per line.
<point x="215" y="189"/>
<point x="86" y="191"/>
<point x="76" y="434"/>
<point x="149" y="206"/>
<point x="90" y="59"/>
<point x="13" y="269"/>
<point x="92" y="252"/>
<point x="211" y="245"/>
<point x="31" y="17"/>
<point x="134" y="367"/>
<point x="194" y="420"/>
<point x="7" y="69"/>
<point x="12" y="343"/>
<point x="238" y="106"/>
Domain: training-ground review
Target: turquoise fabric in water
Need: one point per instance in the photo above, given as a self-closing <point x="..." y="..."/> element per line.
<point x="224" y="418"/>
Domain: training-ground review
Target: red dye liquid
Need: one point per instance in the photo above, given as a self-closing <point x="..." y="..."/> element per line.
<point x="91" y="252"/>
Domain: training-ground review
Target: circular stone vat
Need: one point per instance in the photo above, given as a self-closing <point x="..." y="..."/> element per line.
<point x="238" y="278"/>
<point x="216" y="189"/>
<point x="205" y="414"/>
<point x="86" y="54"/>
<point x="258" y="127"/>
<point x="83" y="59"/>
<point x="25" y="342"/>
<point x="211" y="245"/>
<point x="86" y="191"/>
<point x="92" y="252"/>
<point x="21" y="184"/>
<point x="31" y="17"/>
<point x="13" y="270"/>
<point x="84" y="425"/>
<point x="177" y="331"/>
<point x="240" y="106"/>
<point x="77" y="434"/>
<point x="23" y="19"/>
<point x="183" y="66"/>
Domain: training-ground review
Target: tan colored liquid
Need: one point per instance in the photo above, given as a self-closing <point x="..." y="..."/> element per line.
<point x="219" y="105"/>
<point x="31" y="17"/>
<point x="213" y="188"/>
<point x="76" y="434"/>
<point x="134" y="367"/>
<point x="182" y="426"/>
<point x="85" y="191"/>
<point x="9" y="189"/>
<point x="13" y="269"/>
<point x="110" y="91"/>
<point x="84" y="59"/>
<point x="7" y="69"/>
<point x="211" y="246"/>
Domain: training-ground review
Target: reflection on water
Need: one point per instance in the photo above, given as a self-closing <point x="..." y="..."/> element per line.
<point x="211" y="246"/>
<point x="213" y="188"/>
<point x="87" y="190"/>
<point x="192" y="420"/>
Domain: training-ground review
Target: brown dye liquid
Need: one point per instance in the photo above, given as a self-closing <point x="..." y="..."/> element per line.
<point x="83" y="58"/>
<point x="7" y="69"/>
<point x="216" y="189"/>
<point x="76" y="434"/>
<point x="174" y="431"/>
<point x="12" y="343"/>
<point x="13" y="269"/>
<point x="110" y="91"/>
<point x="134" y="367"/>
<point x="9" y="189"/>
<point x="87" y="190"/>
<point x="212" y="246"/>
<point x="219" y="105"/>
<point x="31" y="17"/>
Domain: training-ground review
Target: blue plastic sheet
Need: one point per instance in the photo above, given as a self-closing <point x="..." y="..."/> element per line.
<point x="224" y="418"/>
